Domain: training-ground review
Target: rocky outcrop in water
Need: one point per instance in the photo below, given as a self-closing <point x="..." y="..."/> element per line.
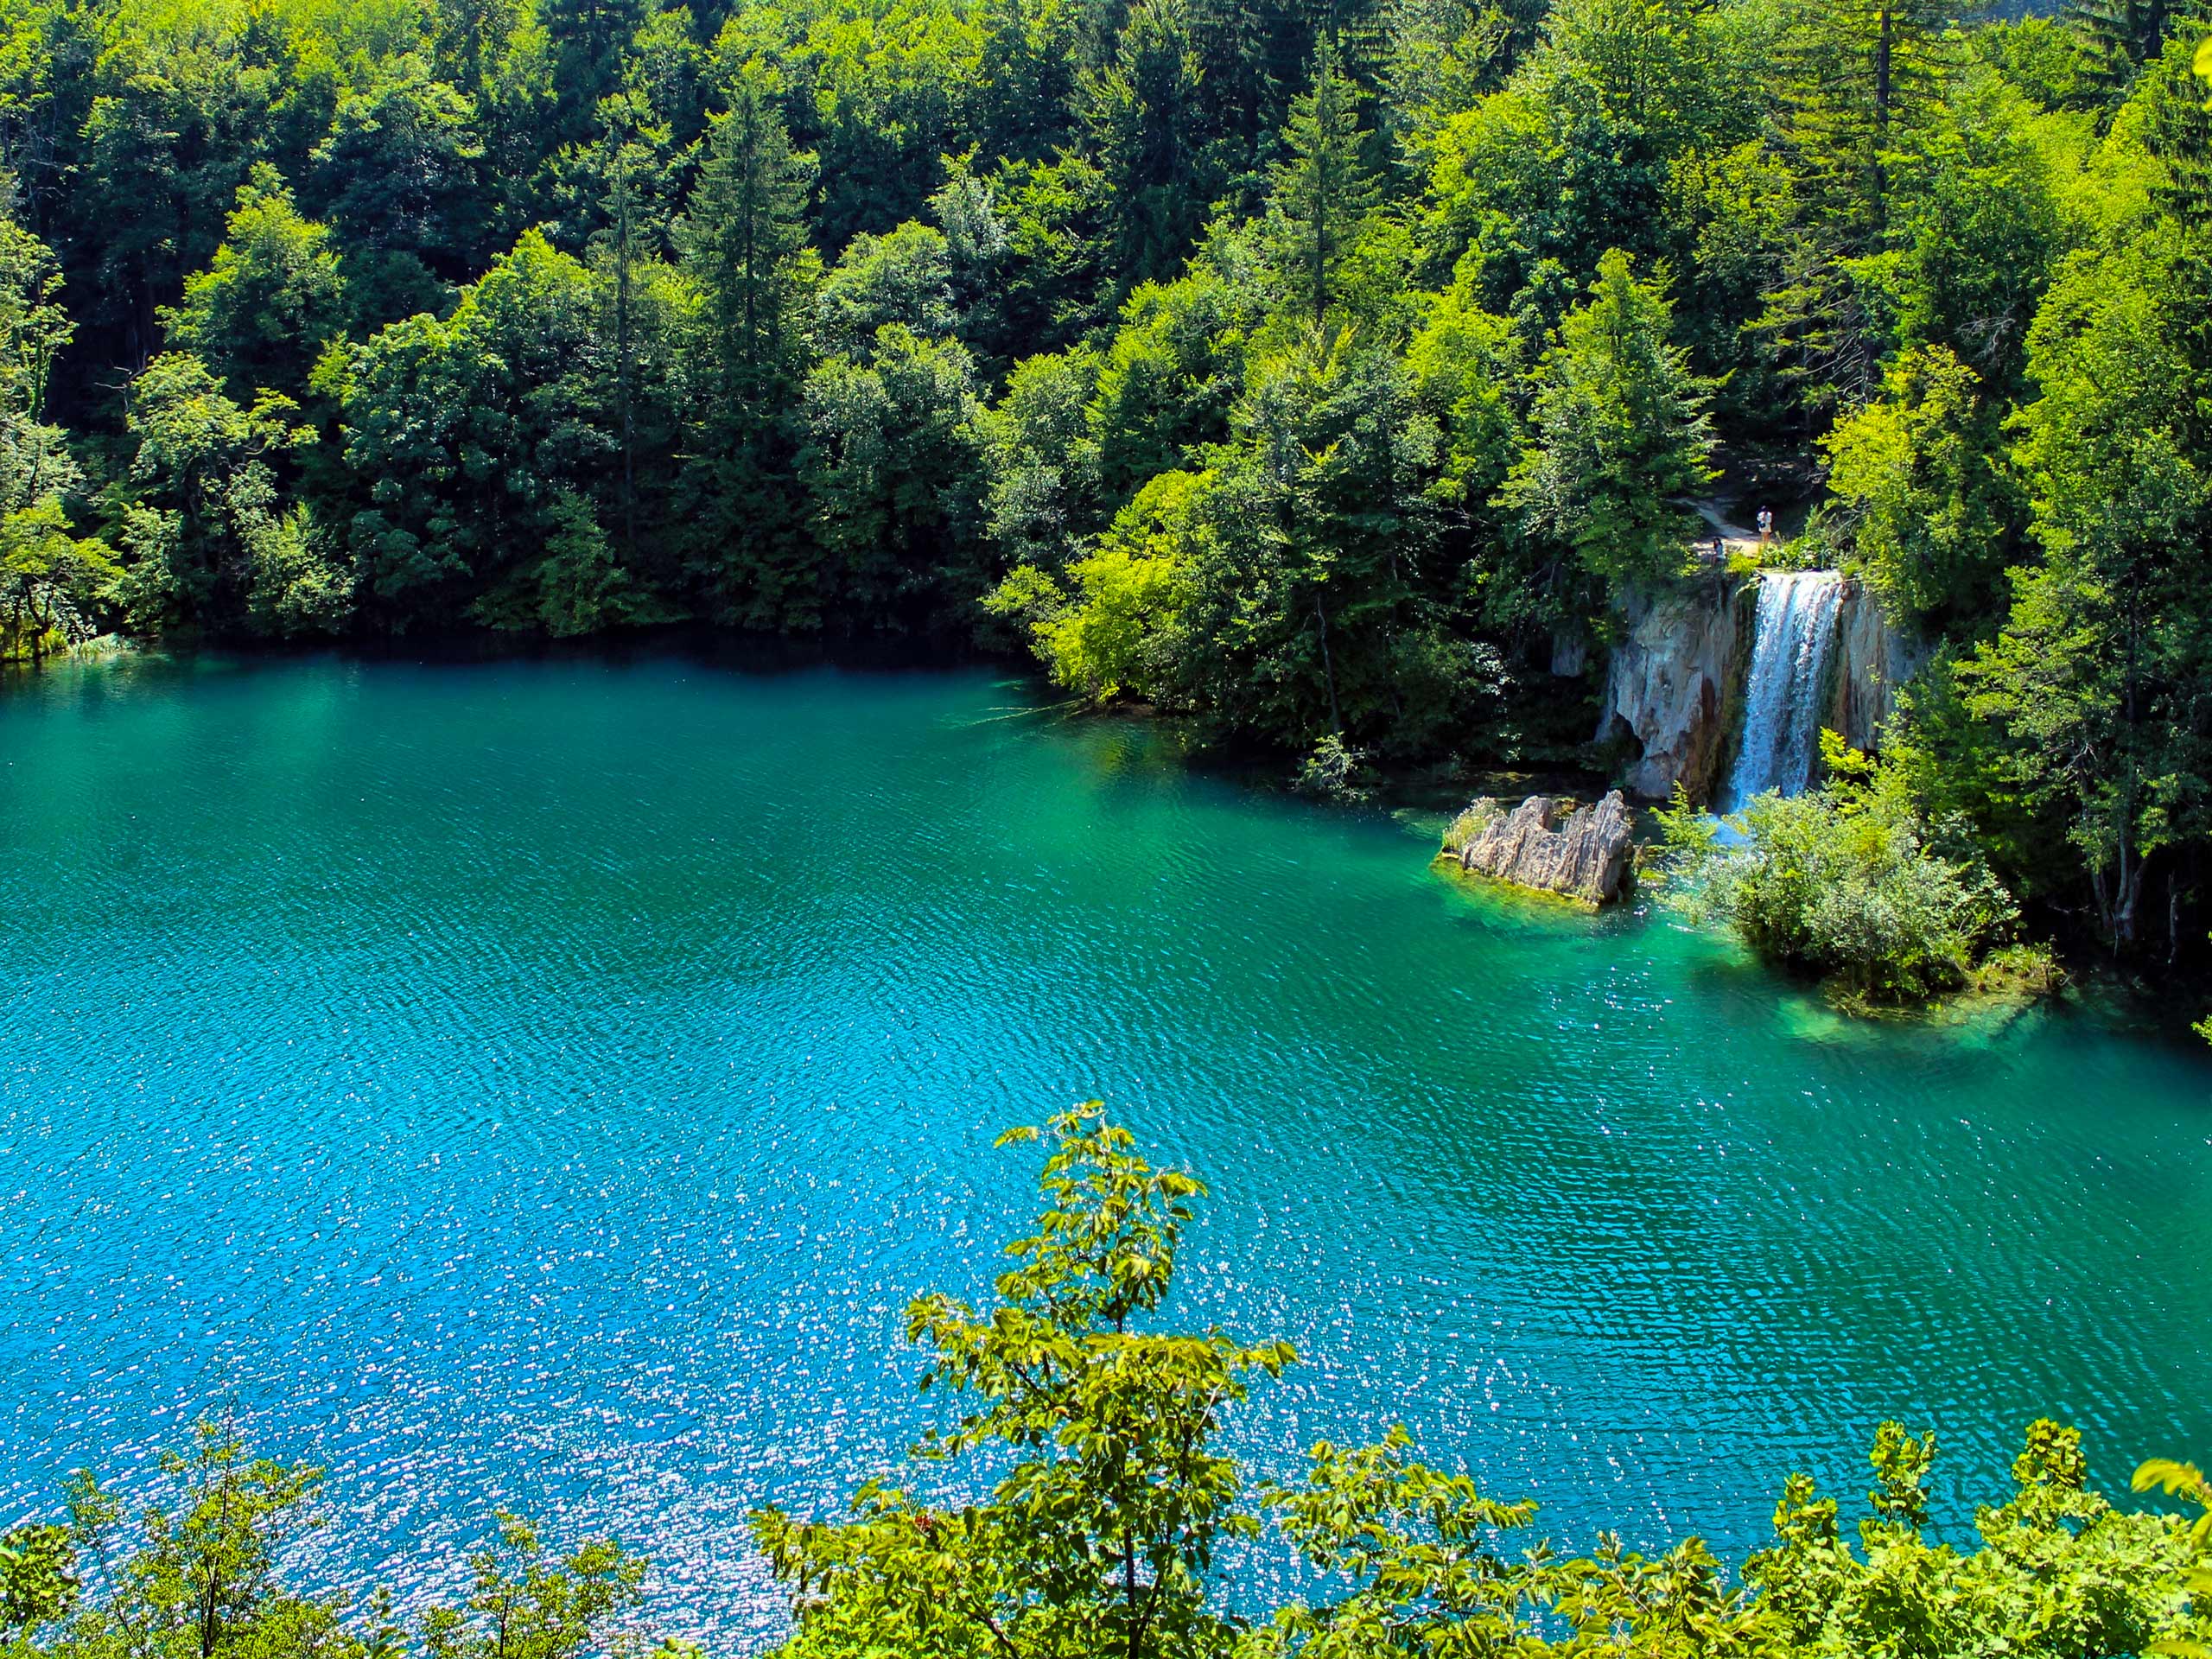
<point x="1549" y="844"/>
<point x="1670" y="685"/>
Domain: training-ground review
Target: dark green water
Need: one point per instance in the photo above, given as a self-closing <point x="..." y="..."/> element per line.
<point x="541" y="1085"/>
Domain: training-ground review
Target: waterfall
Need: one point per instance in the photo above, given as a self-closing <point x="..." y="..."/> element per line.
<point x="1788" y="689"/>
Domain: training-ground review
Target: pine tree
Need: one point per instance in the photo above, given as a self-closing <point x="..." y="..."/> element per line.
<point x="629" y="154"/>
<point x="2122" y="36"/>
<point x="1148" y="115"/>
<point x="743" y="240"/>
<point x="470" y="35"/>
<point x="1622" y="435"/>
<point x="587" y="38"/>
<point x="1323" y="191"/>
<point x="1855" y="77"/>
<point x="2180" y="122"/>
<point x="1853" y="73"/>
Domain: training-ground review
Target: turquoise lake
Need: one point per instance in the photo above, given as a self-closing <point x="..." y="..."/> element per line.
<point x="541" y="1084"/>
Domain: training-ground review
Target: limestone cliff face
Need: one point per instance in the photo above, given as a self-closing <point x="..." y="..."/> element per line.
<point x="1675" y="684"/>
<point x="1547" y="844"/>
<point x="1873" y="661"/>
<point x="1673" y="681"/>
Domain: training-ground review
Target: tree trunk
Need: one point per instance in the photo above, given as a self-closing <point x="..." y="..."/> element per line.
<point x="2127" y="900"/>
<point x="1329" y="668"/>
<point x="1884" y="93"/>
<point x="1884" y="88"/>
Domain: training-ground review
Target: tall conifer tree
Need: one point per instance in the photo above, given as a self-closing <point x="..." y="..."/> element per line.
<point x="1853" y="73"/>
<point x="2122" y="34"/>
<point x="1322" y="190"/>
<point x="743" y="239"/>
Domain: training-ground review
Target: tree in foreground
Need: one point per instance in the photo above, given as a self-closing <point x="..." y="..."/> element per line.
<point x="199" y="1572"/>
<point x="1100" y="1536"/>
<point x="1106" y="1502"/>
<point x="1109" y="1522"/>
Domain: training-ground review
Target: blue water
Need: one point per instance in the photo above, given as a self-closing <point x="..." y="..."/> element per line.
<point x="541" y="1084"/>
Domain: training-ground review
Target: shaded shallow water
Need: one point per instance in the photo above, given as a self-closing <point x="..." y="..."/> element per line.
<point x="541" y="1084"/>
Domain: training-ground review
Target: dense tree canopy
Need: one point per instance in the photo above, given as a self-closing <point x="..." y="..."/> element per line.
<point x="1329" y="373"/>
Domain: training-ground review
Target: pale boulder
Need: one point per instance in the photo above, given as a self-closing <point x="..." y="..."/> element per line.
<point x="1548" y="844"/>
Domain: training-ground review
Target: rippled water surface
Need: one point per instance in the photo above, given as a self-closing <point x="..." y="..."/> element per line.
<point x="541" y="1084"/>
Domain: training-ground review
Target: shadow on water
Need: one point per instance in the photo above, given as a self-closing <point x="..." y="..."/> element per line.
<point x="721" y="649"/>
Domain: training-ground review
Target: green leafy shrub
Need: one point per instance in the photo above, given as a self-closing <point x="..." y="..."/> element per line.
<point x="1850" y="880"/>
<point x="200" y="1572"/>
<point x="1931" y="515"/>
<point x="1332" y="769"/>
<point x="2023" y="969"/>
<point x="1113" y="637"/>
<point x="1467" y="828"/>
<point x="1106" y="645"/>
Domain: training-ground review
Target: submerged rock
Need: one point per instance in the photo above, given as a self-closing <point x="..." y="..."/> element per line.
<point x="1549" y="844"/>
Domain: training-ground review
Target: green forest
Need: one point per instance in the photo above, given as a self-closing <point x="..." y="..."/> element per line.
<point x="1327" y="372"/>
<point x="1101" y="1515"/>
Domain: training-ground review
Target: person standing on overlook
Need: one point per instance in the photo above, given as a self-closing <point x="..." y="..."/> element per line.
<point x="1766" y="527"/>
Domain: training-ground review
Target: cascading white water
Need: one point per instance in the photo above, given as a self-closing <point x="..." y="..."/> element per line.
<point x="1793" y="642"/>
